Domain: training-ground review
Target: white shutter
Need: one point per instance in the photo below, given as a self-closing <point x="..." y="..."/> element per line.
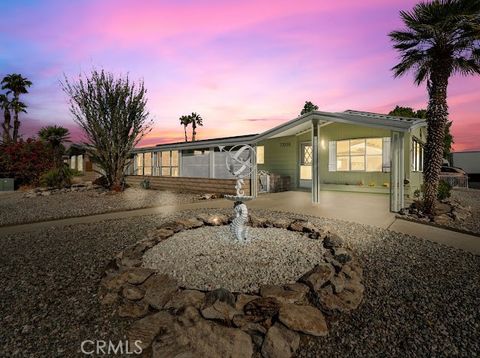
<point x="386" y="155"/>
<point x="332" y="156"/>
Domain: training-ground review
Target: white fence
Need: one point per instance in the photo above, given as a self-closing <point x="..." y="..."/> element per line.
<point x="455" y="181"/>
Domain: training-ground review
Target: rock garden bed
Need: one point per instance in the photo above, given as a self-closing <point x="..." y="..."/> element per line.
<point x="254" y="299"/>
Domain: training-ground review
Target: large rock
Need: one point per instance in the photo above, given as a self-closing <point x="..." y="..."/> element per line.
<point x="303" y="226"/>
<point x="114" y="282"/>
<point x="243" y="299"/>
<point x="186" y="298"/>
<point x="332" y="240"/>
<point x="159" y="289"/>
<point x="192" y="336"/>
<point x="146" y="329"/>
<point x="341" y="255"/>
<point x="442" y="219"/>
<point x="286" y="294"/>
<point x="442" y="208"/>
<point x="280" y="223"/>
<point x="192" y="223"/>
<point x="160" y="234"/>
<point x="138" y="275"/>
<point x="174" y="226"/>
<point x="262" y="308"/>
<point x="133" y="293"/>
<point x="318" y="276"/>
<point x="133" y="309"/>
<point x="347" y="300"/>
<point x="306" y="319"/>
<point x="220" y="305"/>
<point x="213" y="220"/>
<point x="280" y="342"/>
<point x="256" y="221"/>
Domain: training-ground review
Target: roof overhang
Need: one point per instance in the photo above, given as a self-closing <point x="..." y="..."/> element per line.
<point x="302" y="124"/>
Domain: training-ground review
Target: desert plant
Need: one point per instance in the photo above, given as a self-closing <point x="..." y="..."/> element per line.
<point x="444" y="190"/>
<point x="25" y="160"/>
<point x="195" y="120"/>
<point x="113" y="115"/>
<point x="58" y="177"/>
<point x="441" y="38"/>
<point x="185" y="121"/>
<point x="16" y="84"/>
<point x="55" y="136"/>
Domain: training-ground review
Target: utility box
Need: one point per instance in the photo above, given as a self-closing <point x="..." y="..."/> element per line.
<point x="7" y="184"/>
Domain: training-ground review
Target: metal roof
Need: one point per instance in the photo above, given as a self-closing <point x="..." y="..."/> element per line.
<point x="369" y="119"/>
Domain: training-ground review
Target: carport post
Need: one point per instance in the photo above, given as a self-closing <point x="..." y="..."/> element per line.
<point x="397" y="171"/>
<point x="315" y="161"/>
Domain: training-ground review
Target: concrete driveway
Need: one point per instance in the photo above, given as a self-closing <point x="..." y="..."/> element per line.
<point x="363" y="208"/>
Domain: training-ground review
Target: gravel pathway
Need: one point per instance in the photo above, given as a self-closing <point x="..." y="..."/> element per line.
<point x="421" y="298"/>
<point x="471" y="198"/>
<point x="15" y="208"/>
<point x="209" y="258"/>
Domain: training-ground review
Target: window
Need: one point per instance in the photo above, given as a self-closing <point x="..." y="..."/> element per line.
<point x="147" y="164"/>
<point x="167" y="163"/>
<point x="260" y="154"/>
<point x="306" y="161"/>
<point x="417" y="155"/>
<point x="366" y="154"/>
<point x="139" y="164"/>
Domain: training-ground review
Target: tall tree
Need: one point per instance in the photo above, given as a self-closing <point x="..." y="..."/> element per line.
<point x="55" y="136"/>
<point x="112" y="111"/>
<point x="185" y="121"/>
<point x="195" y="120"/>
<point x="308" y="107"/>
<point x="6" y="106"/>
<point x="17" y="85"/>
<point x="441" y="38"/>
<point x="422" y="113"/>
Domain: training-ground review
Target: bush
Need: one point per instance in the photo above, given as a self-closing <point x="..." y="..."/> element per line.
<point x="102" y="181"/>
<point x="444" y="190"/>
<point x="57" y="177"/>
<point x="25" y="161"/>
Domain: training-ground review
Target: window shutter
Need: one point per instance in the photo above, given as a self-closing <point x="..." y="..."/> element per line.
<point x="386" y="155"/>
<point x="332" y="156"/>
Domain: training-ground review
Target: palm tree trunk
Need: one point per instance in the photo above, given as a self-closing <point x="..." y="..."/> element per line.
<point x="16" y="126"/>
<point x="194" y="132"/>
<point x="437" y="116"/>
<point x="6" y="126"/>
<point x="185" y="130"/>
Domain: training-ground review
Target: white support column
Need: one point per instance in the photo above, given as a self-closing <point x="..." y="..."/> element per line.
<point x="253" y="175"/>
<point x="397" y="172"/>
<point x="315" y="161"/>
<point x="211" y="162"/>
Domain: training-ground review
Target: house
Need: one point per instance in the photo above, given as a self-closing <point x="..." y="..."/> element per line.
<point x="78" y="159"/>
<point x="347" y="151"/>
<point x="469" y="161"/>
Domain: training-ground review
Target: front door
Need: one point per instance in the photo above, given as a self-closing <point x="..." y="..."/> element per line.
<point x="305" y="167"/>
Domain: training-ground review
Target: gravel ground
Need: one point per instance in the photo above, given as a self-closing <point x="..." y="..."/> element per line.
<point x="421" y="298"/>
<point x="471" y="198"/>
<point x="210" y="258"/>
<point x="17" y="209"/>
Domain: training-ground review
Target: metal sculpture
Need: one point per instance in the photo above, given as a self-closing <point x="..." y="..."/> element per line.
<point x="239" y="162"/>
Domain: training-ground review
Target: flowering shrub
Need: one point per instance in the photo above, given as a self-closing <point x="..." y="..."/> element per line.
<point x="25" y="160"/>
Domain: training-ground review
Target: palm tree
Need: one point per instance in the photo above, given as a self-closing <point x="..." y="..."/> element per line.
<point x="441" y="38"/>
<point x="6" y="105"/>
<point x="308" y="107"/>
<point x="55" y="136"/>
<point x="196" y="120"/>
<point x="185" y="121"/>
<point x="16" y="84"/>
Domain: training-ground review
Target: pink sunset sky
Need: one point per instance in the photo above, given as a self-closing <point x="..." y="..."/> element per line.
<point x="245" y="66"/>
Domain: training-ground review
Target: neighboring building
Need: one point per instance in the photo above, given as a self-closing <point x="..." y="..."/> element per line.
<point x="347" y="151"/>
<point x="78" y="159"/>
<point x="469" y="161"/>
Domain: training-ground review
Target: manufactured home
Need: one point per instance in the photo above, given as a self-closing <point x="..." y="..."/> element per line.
<point x="343" y="151"/>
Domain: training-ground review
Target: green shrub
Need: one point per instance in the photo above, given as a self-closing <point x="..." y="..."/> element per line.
<point x="57" y="177"/>
<point x="444" y="190"/>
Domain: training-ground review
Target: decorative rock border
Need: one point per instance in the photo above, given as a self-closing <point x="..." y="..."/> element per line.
<point x="175" y="320"/>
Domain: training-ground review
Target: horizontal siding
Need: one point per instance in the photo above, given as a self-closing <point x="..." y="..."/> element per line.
<point x="193" y="185"/>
